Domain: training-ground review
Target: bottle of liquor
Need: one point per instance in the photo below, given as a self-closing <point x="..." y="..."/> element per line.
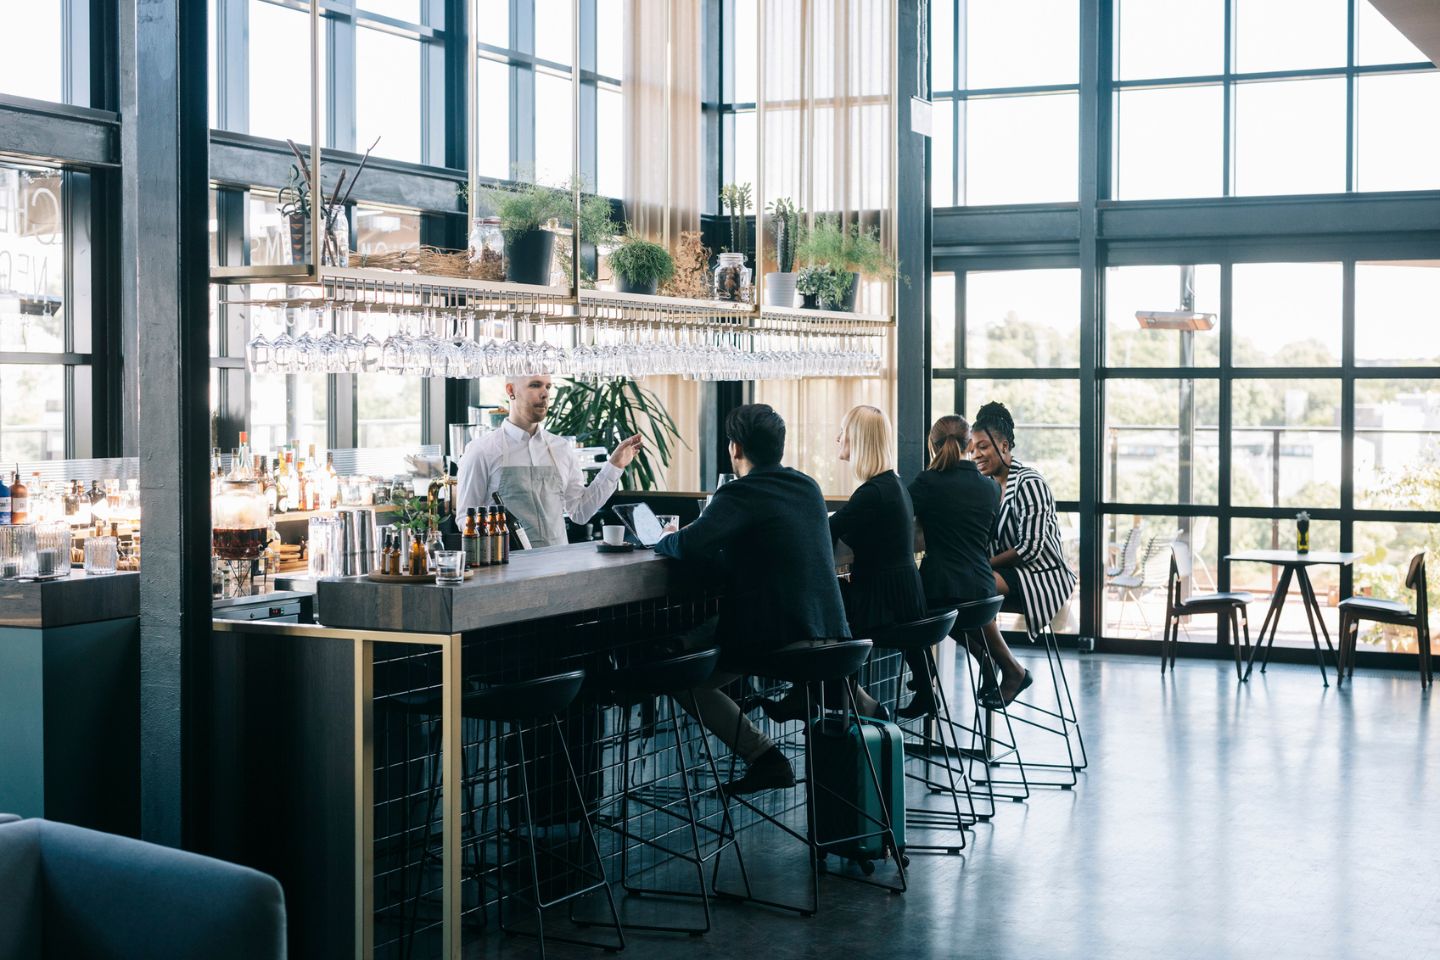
<point x="243" y="454"/>
<point x="332" y="482"/>
<point x="500" y="536"/>
<point x="5" y="517"/>
<point x="485" y="527"/>
<point x="97" y="496"/>
<point x="470" y="540"/>
<point x="418" y="558"/>
<point x="515" y="536"/>
<point x="72" y="500"/>
<point x="280" y="494"/>
<point x="19" y="498"/>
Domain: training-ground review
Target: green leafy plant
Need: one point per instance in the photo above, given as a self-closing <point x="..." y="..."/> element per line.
<point x="524" y="207"/>
<point x="414" y="514"/>
<point x="855" y="250"/>
<point x="597" y="220"/>
<point x="829" y="284"/>
<point x="603" y="414"/>
<point x="640" y="262"/>
<point x="785" y="225"/>
<point x="735" y="198"/>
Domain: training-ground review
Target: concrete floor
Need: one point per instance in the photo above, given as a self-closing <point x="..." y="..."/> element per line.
<point x="1272" y="820"/>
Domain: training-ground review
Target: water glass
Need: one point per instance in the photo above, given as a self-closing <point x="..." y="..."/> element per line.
<point x="101" y="556"/>
<point x="669" y="522"/>
<point x="17" y="551"/>
<point x="52" y="550"/>
<point x="326" y="547"/>
<point x="449" y="566"/>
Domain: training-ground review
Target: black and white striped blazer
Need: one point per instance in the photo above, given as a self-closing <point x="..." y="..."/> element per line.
<point x="1028" y="525"/>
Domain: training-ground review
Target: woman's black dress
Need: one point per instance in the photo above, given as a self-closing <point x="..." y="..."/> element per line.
<point x="878" y="523"/>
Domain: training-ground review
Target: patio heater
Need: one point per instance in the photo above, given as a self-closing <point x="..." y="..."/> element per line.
<point x="1186" y="320"/>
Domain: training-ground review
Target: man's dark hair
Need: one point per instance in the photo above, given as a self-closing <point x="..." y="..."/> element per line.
<point x="759" y="431"/>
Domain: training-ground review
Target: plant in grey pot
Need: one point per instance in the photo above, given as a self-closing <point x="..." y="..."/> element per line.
<point x="525" y="210"/>
<point x="640" y="266"/>
<point x="785" y="225"/>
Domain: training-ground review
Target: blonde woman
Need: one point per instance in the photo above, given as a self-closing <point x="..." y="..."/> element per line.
<point x="878" y="524"/>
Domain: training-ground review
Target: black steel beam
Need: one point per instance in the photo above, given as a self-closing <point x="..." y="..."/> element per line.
<point x="240" y="160"/>
<point x="165" y="276"/>
<point x="958" y="228"/>
<point x="38" y="130"/>
<point x="913" y="249"/>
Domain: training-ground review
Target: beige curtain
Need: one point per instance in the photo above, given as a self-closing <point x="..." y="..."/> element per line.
<point x="664" y="171"/>
<point x="829" y="146"/>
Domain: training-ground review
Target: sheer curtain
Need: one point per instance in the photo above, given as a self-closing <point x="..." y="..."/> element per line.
<point x="664" y="172"/>
<point x="829" y="146"/>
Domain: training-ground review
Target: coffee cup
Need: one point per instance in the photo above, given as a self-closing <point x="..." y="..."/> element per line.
<point x="614" y="535"/>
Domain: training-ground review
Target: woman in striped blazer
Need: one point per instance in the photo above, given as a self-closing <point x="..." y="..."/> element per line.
<point x="1029" y="565"/>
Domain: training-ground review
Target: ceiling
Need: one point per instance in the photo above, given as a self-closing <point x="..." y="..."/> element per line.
<point x="1419" y="20"/>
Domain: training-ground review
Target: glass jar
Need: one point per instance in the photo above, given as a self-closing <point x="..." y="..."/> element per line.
<point x="52" y="550"/>
<point x="732" y="278"/>
<point x="239" y="520"/>
<point x="487" y="249"/>
<point x="17" y="551"/>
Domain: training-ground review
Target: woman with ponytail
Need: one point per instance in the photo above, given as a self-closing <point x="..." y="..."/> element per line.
<point x="1029" y="564"/>
<point x="957" y="508"/>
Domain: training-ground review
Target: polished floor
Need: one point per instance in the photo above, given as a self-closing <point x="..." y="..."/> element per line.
<point x="1271" y="820"/>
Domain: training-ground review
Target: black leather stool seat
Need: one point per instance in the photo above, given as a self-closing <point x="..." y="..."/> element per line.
<point x="521" y="700"/>
<point x="524" y="699"/>
<point x="918" y="634"/>
<point x="803" y="662"/>
<point x="977" y="613"/>
<point x="650" y="678"/>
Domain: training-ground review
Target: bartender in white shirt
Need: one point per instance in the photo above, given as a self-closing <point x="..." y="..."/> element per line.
<point x="535" y="471"/>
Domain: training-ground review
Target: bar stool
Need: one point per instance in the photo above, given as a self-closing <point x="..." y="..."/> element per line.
<point x="810" y="666"/>
<point x="935" y="736"/>
<point x="667" y="680"/>
<point x="1062" y="722"/>
<point x="513" y="704"/>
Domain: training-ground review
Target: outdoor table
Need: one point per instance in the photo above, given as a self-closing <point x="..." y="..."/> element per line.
<point x="1294" y="564"/>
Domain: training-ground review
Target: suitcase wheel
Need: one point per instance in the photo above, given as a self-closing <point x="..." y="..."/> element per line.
<point x="867" y="867"/>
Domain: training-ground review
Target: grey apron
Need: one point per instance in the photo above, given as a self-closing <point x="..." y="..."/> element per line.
<point x="533" y="494"/>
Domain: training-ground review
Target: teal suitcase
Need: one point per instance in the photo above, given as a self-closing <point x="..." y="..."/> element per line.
<point x="843" y="787"/>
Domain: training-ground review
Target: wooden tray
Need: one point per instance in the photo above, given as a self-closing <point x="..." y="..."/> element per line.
<point x="406" y="578"/>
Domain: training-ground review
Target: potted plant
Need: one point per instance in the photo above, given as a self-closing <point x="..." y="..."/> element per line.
<point x="855" y="251"/>
<point x="640" y="266"/>
<point x="603" y="414"/>
<point x="825" y="287"/>
<point x="732" y="276"/>
<point x="785" y="225"/>
<point x="525" y="211"/>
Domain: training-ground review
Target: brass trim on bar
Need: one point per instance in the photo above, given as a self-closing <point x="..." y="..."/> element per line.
<point x="451" y="646"/>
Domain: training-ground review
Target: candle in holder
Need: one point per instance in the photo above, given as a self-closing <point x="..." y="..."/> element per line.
<point x="47" y="562"/>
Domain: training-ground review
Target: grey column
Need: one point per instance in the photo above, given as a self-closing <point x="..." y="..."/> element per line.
<point x="912" y="234"/>
<point x="164" y="269"/>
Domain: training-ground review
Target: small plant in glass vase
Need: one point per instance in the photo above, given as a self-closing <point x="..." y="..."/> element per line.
<point x="785" y="225"/>
<point x="418" y="522"/>
<point x="733" y="277"/>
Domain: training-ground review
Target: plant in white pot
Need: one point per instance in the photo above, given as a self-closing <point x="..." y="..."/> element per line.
<point x="785" y="225"/>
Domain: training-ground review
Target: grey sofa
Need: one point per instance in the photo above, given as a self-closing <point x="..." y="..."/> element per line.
<point x="75" y="893"/>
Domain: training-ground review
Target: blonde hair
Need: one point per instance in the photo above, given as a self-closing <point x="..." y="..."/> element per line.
<point x="872" y="451"/>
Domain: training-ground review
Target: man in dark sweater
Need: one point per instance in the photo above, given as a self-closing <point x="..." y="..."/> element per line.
<point x="768" y="534"/>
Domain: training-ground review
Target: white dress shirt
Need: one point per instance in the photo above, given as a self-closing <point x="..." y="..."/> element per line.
<point x="510" y="446"/>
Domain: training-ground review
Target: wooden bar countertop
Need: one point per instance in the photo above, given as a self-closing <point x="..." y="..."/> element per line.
<point x="539" y="583"/>
<point x="69" y="600"/>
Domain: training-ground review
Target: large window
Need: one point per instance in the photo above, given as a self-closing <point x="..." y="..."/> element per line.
<point x="381" y="75"/>
<point x="44" y="350"/>
<point x="526" y="100"/>
<point x="1005" y="76"/>
<point x="1296" y="97"/>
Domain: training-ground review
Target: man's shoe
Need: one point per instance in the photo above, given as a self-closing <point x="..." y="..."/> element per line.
<point x="769" y="771"/>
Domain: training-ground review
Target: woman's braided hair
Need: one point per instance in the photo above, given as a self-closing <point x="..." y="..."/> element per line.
<point x="996" y="421"/>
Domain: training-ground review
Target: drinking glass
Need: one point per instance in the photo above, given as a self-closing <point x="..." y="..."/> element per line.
<point x="101" y="555"/>
<point x="669" y="522"/>
<point x="449" y="566"/>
